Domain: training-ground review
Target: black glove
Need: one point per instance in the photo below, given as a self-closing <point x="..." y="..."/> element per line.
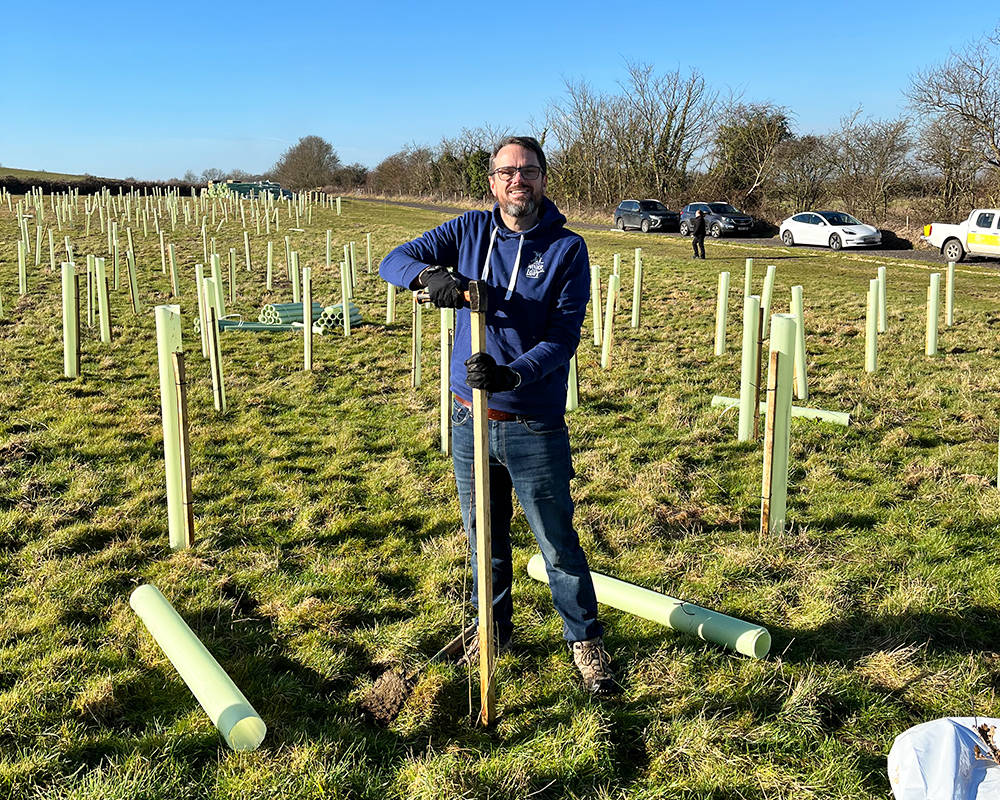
<point x="444" y="289"/>
<point x="482" y="372"/>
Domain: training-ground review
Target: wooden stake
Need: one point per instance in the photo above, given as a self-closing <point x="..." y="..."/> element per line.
<point x="484" y="538"/>
<point x="772" y="407"/>
<point x="180" y="381"/>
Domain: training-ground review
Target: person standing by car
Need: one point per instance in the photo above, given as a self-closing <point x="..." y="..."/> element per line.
<point x="537" y="275"/>
<point x="698" y="234"/>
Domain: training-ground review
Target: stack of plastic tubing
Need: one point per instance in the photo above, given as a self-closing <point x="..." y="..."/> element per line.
<point x="286" y="313"/>
<point x="332" y="318"/>
<point x="711" y="626"/>
<point x="225" y="704"/>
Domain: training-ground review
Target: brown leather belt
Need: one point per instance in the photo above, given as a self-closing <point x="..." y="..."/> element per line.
<point x="491" y="413"/>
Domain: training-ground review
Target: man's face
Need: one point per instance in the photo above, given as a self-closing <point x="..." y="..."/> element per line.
<point x="518" y="197"/>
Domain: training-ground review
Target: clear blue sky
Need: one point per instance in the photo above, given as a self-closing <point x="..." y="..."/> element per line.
<point x="151" y="90"/>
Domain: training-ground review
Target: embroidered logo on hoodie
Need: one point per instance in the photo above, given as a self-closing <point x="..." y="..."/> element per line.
<point x="536" y="267"/>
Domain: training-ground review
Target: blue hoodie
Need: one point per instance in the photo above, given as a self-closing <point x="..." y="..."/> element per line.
<point x="538" y="287"/>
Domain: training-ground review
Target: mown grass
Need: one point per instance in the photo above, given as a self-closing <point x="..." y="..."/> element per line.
<point x="40" y="175"/>
<point x="329" y="544"/>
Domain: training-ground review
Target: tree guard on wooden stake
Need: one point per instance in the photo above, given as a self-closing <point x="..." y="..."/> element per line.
<point x="798" y="311"/>
<point x="307" y="326"/>
<point x="609" y="320"/>
<point x="765" y="300"/>
<point x="22" y="270"/>
<point x="573" y="386"/>
<point x="949" y="295"/>
<point x="871" y="326"/>
<point x="748" y="367"/>
<point x="747" y="277"/>
<point x="180" y="383"/>
<point x="721" y="313"/>
<point x="103" y="305"/>
<point x="416" y="338"/>
<point x="783" y="350"/>
<point x="883" y="314"/>
<point x="227" y="707"/>
<point x="345" y="296"/>
<point x="636" y="287"/>
<point x="933" y="301"/>
<point x="595" y="302"/>
<point x="168" y="342"/>
<point x="447" y="315"/>
<point x="199" y="280"/>
<point x="71" y="321"/>
<point x="390" y="303"/>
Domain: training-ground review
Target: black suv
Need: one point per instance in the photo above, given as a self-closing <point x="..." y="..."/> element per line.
<point x="720" y="219"/>
<point x="647" y="215"/>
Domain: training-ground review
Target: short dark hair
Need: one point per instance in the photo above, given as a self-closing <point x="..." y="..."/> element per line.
<point x="528" y="142"/>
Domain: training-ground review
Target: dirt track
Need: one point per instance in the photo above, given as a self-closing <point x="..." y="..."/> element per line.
<point x="917" y="254"/>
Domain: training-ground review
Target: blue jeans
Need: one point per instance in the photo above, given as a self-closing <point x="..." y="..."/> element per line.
<point x="532" y="458"/>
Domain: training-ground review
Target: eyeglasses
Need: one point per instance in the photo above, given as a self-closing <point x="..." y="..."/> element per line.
<point x="506" y="174"/>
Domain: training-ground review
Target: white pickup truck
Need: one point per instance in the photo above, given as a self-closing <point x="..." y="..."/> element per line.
<point x="979" y="235"/>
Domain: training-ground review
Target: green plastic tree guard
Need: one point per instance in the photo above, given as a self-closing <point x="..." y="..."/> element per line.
<point x="709" y="626"/>
<point x="231" y="713"/>
<point x="269" y="274"/>
<point x="71" y="321"/>
<point x="168" y="342"/>
<point x="573" y="386"/>
<point x="246" y="249"/>
<point x="296" y="285"/>
<point x="721" y="314"/>
<point x="368" y="249"/>
<point x="338" y="206"/>
<point x="199" y="280"/>
<point x="609" y="320"/>
<point x="949" y="295"/>
<point x="232" y="275"/>
<point x="636" y="287"/>
<point x="219" y="300"/>
<point x="871" y="327"/>
<point x="747" y="277"/>
<point x="307" y="328"/>
<point x="748" y="366"/>
<point x="390" y="303"/>
<point x="22" y="271"/>
<point x="345" y="295"/>
<point x="595" y="302"/>
<point x="765" y="299"/>
<point x="782" y="343"/>
<point x="933" y="301"/>
<point x="836" y="417"/>
<point x="798" y="311"/>
<point x="416" y="338"/>
<point x="883" y="314"/>
<point x="103" y="306"/>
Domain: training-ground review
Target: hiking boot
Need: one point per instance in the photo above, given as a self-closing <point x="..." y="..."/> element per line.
<point x="470" y="647"/>
<point x="594" y="664"/>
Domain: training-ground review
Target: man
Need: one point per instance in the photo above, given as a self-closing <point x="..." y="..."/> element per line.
<point x="537" y="275"/>
<point x="698" y="234"/>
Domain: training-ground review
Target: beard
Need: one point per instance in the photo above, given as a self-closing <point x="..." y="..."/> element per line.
<point x="521" y="208"/>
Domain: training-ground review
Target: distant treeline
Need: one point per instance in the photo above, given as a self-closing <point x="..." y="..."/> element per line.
<point x="671" y="136"/>
<point x="90" y="184"/>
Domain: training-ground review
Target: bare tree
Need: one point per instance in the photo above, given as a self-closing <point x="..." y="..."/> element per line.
<point x="307" y="164"/>
<point x="746" y="145"/>
<point x="947" y="149"/>
<point x="872" y="162"/>
<point x="803" y="168"/>
<point x="213" y="175"/>
<point x="965" y="89"/>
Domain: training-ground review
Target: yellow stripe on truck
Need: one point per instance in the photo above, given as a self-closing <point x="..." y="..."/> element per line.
<point x="983" y="238"/>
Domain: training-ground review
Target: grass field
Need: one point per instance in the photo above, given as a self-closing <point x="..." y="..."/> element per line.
<point x="329" y="543"/>
<point x="39" y="175"/>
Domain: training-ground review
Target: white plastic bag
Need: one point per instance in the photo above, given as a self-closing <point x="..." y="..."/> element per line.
<point x="937" y="761"/>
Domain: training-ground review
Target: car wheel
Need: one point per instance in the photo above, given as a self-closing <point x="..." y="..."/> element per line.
<point x="835" y="243"/>
<point x="787" y="239"/>
<point x="644" y="226"/>
<point x="683" y="229"/>
<point x="620" y="223"/>
<point x="716" y="230"/>
<point x="953" y="250"/>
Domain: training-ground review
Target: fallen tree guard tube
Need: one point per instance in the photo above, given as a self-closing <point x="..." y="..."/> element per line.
<point x="225" y="704"/>
<point x="711" y="626"/>
<point x="835" y="417"/>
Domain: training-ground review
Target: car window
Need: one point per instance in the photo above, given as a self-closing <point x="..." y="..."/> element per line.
<point x="801" y="218"/>
<point x="813" y="219"/>
<point x="839" y="218"/>
<point x="703" y="207"/>
<point x="722" y="208"/>
<point x="984" y="221"/>
<point x="652" y="205"/>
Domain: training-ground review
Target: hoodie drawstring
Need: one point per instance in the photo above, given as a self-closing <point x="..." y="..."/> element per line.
<point x="517" y="262"/>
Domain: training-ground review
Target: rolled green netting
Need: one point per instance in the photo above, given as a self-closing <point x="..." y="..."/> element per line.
<point x="236" y="323"/>
<point x="286" y="313"/>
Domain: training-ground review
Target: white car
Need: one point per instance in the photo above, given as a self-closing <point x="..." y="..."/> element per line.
<point x="833" y="229"/>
